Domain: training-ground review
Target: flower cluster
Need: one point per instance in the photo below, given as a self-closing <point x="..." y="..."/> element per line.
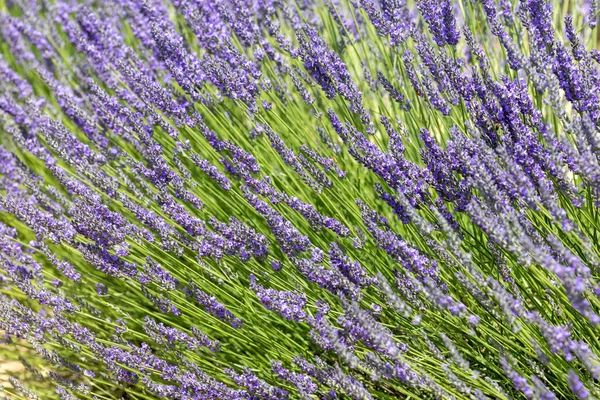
<point x="313" y="199"/>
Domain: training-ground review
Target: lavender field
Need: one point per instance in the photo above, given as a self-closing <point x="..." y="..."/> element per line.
<point x="299" y="199"/>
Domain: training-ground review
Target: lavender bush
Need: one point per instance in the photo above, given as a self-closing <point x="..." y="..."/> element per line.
<point x="309" y="199"/>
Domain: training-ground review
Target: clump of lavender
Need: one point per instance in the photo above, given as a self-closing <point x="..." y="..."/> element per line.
<point x="316" y="199"/>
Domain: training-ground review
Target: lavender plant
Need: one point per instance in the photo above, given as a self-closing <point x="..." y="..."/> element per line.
<point x="305" y="199"/>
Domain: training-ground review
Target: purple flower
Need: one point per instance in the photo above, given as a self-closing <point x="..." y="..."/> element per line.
<point x="349" y="268"/>
<point x="212" y="172"/>
<point x="290" y="240"/>
<point x="441" y="21"/>
<point x="303" y="382"/>
<point x="290" y="304"/>
<point x="212" y="306"/>
<point x="577" y="387"/>
<point x="171" y="336"/>
<point x="256" y="386"/>
<point x="101" y="289"/>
